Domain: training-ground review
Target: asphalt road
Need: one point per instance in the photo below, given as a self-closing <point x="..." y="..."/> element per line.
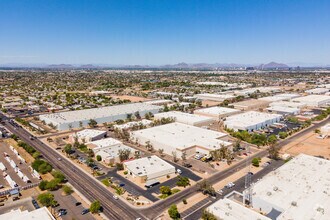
<point x="91" y="188"/>
<point x="117" y="209"/>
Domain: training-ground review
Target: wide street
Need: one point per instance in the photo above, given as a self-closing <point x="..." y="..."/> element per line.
<point x="117" y="209"/>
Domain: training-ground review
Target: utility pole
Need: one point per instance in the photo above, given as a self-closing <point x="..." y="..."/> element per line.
<point x="247" y="195"/>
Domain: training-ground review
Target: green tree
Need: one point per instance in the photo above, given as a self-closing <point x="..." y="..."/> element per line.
<point x="59" y="175"/>
<point x="255" y="162"/>
<point x="43" y="184"/>
<point x="92" y="123"/>
<point x="95" y="207"/>
<point x="173" y="212"/>
<point x="53" y="184"/>
<point x="67" y="190"/>
<point x="283" y="135"/>
<point x="47" y="199"/>
<point x="98" y="157"/>
<point x="68" y="149"/>
<point x="208" y="215"/>
<point x="166" y="190"/>
<point x="183" y="181"/>
<point x="273" y="152"/>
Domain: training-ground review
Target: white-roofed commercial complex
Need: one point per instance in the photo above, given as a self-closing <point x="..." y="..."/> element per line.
<point x="299" y="189"/>
<point x="65" y="120"/>
<point x="231" y="210"/>
<point x="314" y="100"/>
<point x="288" y="104"/>
<point x="317" y="91"/>
<point x="148" y="168"/>
<point x="87" y="135"/>
<point x="283" y="110"/>
<point x="178" y="137"/>
<point x="216" y="112"/>
<point x="37" y="214"/>
<point x="214" y="97"/>
<point x="185" y="118"/>
<point x="251" y="121"/>
<point x="280" y="97"/>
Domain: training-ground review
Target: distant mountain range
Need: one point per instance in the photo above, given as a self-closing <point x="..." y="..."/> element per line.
<point x="182" y="65"/>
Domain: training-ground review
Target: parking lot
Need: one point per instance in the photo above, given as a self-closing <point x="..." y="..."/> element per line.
<point x="15" y="168"/>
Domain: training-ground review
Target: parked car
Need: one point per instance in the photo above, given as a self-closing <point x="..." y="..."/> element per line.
<point x="78" y="203"/>
<point x="85" y="211"/>
<point x="178" y="171"/>
<point x="198" y="156"/>
<point x="115" y="197"/>
<point x="122" y="184"/>
<point x="188" y="165"/>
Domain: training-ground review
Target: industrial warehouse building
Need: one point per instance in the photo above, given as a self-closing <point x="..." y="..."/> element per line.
<point x="185" y="118"/>
<point x="299" y="189"/>
<point x="251" y="121"/>
<point x="280" y="97"/>
<point x="283" y="110"/>
<point x="109" y="149"/>
<point x="37" y="214"/>
<point x="314" y="100"/>
<point x="65" y="120"/>
<point x="216" y="112"/>
<point x="288" y="104"/>
<point x="317" y="91"/>
<point x="178" y="138"/>
<point x="147" y="169"/>
<point x="214" y="97"/>
<point x="251" y="104"/>
<point x="87" y="135"/>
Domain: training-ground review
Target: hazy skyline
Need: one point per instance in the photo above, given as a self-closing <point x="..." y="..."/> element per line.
<point x="164" y="32"/>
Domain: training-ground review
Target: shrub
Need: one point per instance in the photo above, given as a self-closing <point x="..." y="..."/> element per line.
<point x="173" y="212"/>
<point x="67" y="190"/>
<point x="42" y="185"/>
<point x="185" y="201"/>
<point x="125" y="172"/>
<point x="255" y="162"/>
<point x="95" y="207"/>
<point x="47" y="199"/>
<point x="98" y="158"/>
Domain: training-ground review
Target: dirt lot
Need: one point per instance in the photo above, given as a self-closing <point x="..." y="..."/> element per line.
<point x="209" y="103"/>
<point x="131" y="98"/>
<point x="309" y="144"/>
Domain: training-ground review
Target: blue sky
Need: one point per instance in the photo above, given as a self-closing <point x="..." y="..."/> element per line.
<point x="164" y="31"/>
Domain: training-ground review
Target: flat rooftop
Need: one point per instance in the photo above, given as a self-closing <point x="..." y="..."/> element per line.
<point x="112" y="151"/>
<point x="147" y="166"/>
<point x="182" y="136"/>
<point x="312" y="98"/>
<point x="37" y="214"/>
<point x="283" y="109"/>
<point x="90" y="133"/>
<point x="250" y="118"/>
<point x="214" y="96"/>
<point x="95" y="113"/>
<point x="106" y="142"/>
<point x="133" y="123"/>
<point x="304" y="181"/>
<point x="288" y="104"/>
<point x="216" y="110"/>
<point x="280" y="97"/>
<point x="184" y="117"/>
<point x="231" y="210"/>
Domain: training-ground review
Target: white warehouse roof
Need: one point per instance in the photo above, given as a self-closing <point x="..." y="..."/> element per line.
<point x="37" y="214"/>
<point x="89" y="133"/>
<point x="283" y="109"/>
<point x="94" y="113"/>
<point x="231" y="210"/>
<point x="103" y="143"/>
<point x="317" y="91"/>
<point x="182" y="136"/>
<point x="280" y="97"/>
<point x="313" y="100"/>
<point x="251" y="120"/>
<point x="148" y="166"/>
<point x="214" y="97"/>
<point x="185" y="118"/>
<point x="300" y="189"/>
<point x="111" y="152"/>
<point x="288" y="104"/>
<point x="216" y="111"/>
